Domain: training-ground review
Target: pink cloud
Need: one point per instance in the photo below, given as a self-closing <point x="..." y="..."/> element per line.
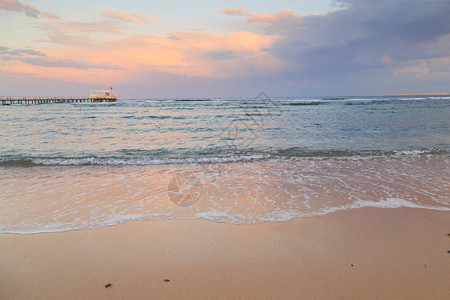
<point x="191" y="53"/>
<point x="120" y="15"/>
<point x="271" y="18"/>
<point x="71" y="31"/>
<point x="235" y="11"/>
<point x="50" y="15"/>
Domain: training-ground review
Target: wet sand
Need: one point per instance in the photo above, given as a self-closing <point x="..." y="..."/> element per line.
<point x="367" y="253"/>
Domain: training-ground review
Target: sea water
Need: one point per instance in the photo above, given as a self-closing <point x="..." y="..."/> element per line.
<point x="237" y="160"/>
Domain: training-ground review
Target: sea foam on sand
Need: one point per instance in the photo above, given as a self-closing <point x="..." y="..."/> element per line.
<point x="60" y="198"/>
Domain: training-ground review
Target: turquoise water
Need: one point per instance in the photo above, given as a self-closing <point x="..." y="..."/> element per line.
<point x="159" y="131"/>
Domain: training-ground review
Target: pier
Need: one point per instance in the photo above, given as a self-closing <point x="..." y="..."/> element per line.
<point x="46" y="100"/>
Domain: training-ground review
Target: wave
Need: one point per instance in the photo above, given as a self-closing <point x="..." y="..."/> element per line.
<point x="290" y="214"/>
<point x="153" y="117"/>
<point x="192" y="100"/>
<point x="216" y="215"/>
<point x="369" y="102"/>
<point x="348" y="101"/>
<point x="266" y="190"/>
<point x="306" y="103"/>
<point x="165" y="157"/>
<point x="300" y="152"/>
<point x="115" y="161"/>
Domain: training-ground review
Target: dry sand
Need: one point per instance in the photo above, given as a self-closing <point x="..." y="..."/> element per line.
<point x="367" y="253"/>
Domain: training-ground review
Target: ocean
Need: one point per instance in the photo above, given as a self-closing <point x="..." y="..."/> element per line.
<point x="236" y="160"/>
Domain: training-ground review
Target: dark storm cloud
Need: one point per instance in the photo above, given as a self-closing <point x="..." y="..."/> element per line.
<point x="364" y="34"/>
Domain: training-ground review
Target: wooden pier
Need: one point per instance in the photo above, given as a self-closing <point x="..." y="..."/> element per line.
<point x="45" y="100"/>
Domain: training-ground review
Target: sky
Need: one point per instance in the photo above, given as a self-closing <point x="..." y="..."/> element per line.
<point x="164" y="49"/>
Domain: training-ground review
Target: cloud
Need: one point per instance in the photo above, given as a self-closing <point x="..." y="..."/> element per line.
<point x="235" y="11"/>
<point x="50" y="15"/>
<point x="103" y="42"/>
<point x="72" y="31"/>
<point x="195" y="53"/>
<point x="61" y="63"/>
<point x="221" y="54"/>
<point x="365" y="46"/>
<point x="8" y="52"/>
<point x="386" y="60"/>
<point x="259" y="18"/>
<point x="14" y="5"/>
<point x="117" y="15"/>
<point x="37" y="58"/>
<point x="284" y="15"/>
<point x="132" y="59"/>
<point x="396" y="38"/>
<point x="417" y="69"/>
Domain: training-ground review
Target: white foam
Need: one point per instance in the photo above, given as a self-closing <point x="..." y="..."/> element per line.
<point x="395" y="203"/>
<point x="211" y="215"/>
<point x="217" y="216"/>
<point x="413" y="152"/>
<point x="273" y="190"/>
<point x="143" y="161"/>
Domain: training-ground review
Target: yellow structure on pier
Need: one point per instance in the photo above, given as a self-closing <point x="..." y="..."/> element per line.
<point x="103" y="94"/>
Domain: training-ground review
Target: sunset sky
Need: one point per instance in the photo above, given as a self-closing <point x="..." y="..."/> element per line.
<point x="148" y="49"/>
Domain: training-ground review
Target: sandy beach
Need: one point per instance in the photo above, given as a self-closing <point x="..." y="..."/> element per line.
<point x="367" y="253"/>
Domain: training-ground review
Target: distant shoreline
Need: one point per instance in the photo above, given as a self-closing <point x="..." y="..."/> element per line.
<point x="391" y="95"/>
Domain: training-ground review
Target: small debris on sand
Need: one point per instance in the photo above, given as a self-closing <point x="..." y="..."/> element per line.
<point x="108" y="285"/>
<point x="352" y="265"/>
<point x="166" y="280"/>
